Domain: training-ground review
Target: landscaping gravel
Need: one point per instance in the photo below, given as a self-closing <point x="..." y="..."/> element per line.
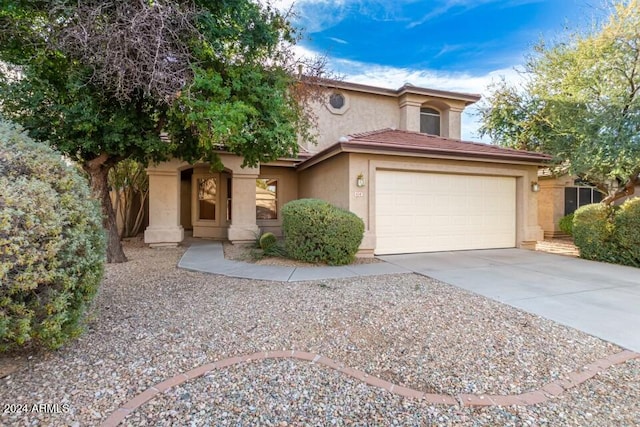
<point x="151" y="321"/>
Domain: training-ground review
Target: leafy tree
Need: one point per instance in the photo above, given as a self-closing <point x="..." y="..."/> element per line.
<point x="580" y="102"/>
<point x="101" y="81"/>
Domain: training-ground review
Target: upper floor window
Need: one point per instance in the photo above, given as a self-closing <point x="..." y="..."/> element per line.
<point x="266" y="198"/>
<point x="430" y="121"/>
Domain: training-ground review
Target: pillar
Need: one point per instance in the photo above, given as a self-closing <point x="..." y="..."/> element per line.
<point x="164" y="205"/>
<point x="451" y="123"/>
<point x="243" y="226"/>
<point x="410" y="113"/>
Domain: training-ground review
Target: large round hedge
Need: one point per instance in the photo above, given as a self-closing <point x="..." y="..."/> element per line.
<point x="316" y="231"/>
<point x="593" y="232"/>
<point x="52" y="243"/>
<point x="627" y="232"/>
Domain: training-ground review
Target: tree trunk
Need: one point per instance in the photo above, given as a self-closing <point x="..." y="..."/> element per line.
<point x="98" y="170"/>
<point x="628" y="189"/>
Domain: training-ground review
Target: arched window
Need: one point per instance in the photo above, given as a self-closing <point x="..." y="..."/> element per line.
<point x="430" y="121"/>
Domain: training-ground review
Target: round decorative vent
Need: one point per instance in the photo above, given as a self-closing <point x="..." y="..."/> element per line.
<point x="336" y="100"/>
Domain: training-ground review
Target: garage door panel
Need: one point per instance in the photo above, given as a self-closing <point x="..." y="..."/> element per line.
<point x="425" y="212"/>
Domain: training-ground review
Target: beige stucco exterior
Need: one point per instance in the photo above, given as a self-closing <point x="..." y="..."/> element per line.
<point x="327" y="181"/>
<point x="363" y="112"/>
<point x="551" y="203"/>
<point x="331" y="174"/>
<point x="362" y="201"/>
<point x="366" y="109"/>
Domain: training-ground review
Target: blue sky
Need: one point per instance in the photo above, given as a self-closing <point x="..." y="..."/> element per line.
<point x="460" y="45"/>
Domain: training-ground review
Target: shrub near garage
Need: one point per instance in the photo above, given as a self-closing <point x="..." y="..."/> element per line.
<point x="593" y="232"/>
<point x="316" y="231"/>
<point x="566" y="224"/>
<point x="51" y="244"/>
<point x="627" y="232"/>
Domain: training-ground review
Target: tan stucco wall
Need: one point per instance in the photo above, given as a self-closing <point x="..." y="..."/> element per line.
<point x="551" y="203"/>
<point x="287" y="191"/>
<point x="327" y="181"/>
<point x="362" y="200"/>
<point x="364" y="112"/>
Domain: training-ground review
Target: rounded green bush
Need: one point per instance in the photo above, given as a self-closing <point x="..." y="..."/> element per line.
<point x="566" y="224"/>
<point x="267" y="240"/>
<point x="52" y="243"/>
<point x="316" y="231"/>
<point x="593" y="232"/>
<point x="627" y="232"/>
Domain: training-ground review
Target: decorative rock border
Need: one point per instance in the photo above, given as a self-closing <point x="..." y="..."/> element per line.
<point x="550" y="390"/>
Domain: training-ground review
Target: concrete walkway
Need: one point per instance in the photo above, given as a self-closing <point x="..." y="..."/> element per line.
<point x="597" y="298"/>
<point x="208" y="257"/>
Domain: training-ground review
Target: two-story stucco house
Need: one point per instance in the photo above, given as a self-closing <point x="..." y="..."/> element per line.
<point x="393" y="157"/>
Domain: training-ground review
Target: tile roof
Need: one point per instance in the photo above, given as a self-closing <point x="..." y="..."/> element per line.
<point x="413" y="142"/>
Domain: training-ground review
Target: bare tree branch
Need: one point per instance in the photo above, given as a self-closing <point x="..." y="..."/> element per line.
<point x="132" y="46"/>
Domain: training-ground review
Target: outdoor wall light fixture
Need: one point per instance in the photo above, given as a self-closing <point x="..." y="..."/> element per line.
<point x="535" y="187"/>
<point x="360" y="180"/>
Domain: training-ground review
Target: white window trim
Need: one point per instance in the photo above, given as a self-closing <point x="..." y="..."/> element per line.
<point x="337" y="111"/>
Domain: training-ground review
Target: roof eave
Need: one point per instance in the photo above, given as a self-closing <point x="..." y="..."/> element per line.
<point x="359" y="147"/>
<point x="468" y="98"/>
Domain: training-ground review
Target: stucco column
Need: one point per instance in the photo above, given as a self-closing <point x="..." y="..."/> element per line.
<point x="410" y="113"/>
<point x="452" y="123"/>
<point x="164" y="206"/>
<point x="243" y="226"/>
<point x="527" y="205"/>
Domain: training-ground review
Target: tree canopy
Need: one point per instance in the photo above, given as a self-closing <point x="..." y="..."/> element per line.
<point x="101" y="81"/>
<point x="580" y="102"/>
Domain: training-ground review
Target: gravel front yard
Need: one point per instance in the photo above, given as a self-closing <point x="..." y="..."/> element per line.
<point x="152" y="321"/>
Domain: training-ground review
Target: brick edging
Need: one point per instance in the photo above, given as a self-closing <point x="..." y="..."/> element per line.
<point x="548" y="391"/>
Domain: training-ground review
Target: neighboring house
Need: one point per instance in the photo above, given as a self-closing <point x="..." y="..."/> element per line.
<point x="393" y="157"/>
<point x="562" y="195"/>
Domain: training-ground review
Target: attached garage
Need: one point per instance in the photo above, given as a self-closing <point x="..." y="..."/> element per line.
<point x="427" y="212"/>
<point x="424" y="193"/>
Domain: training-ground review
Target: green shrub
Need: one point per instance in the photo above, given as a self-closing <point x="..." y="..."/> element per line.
<point x="277" y="250"/>
<point x="566" y="224"/>
<point x="267" y="240"/>
<point x="52" y="244"/>
<point x="593" y="232"/>
<point x="627" y="232"/>
<point x="316" y="231"/>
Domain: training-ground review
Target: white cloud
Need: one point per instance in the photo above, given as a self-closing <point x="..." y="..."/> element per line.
<point x="337" y="40"/>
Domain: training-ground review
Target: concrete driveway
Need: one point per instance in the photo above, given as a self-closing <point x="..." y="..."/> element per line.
<point x="597" y="298"/>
